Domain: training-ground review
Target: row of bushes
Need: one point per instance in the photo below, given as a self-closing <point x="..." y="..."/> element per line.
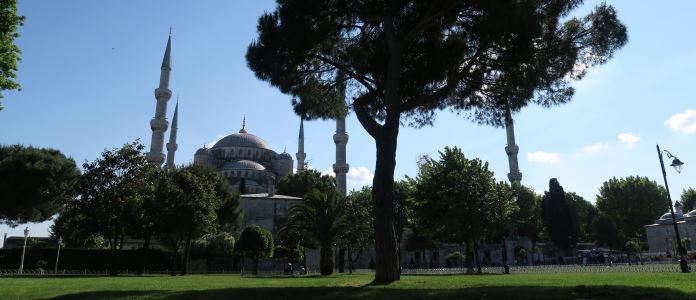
<point x="91" y="259"/>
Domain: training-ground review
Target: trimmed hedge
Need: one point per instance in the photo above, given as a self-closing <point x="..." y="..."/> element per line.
<point x="77" y="259"/>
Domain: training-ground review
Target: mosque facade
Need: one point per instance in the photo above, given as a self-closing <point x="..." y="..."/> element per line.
<point x="660" y="235"/>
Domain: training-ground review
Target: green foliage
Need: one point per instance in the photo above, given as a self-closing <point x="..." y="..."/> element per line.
<point x="607" y="233"/>
<point x="528" y="221"/>
<point x="9" y="52"/>
<point x="631" y="203"/>
<point x="454" y="197"/>
<point x="255" y="242"/>
<point x="561" y="223"/>
<point x="320" y="217"/>
<point x="688" y="200"/>
<point x="213" y="245"/>
<point x="109" y="192"/>
<point x="358" y="234"/>
<point x="304" y="181"/>
<point x="583" y="213"/>
<point x="35" y="183"/>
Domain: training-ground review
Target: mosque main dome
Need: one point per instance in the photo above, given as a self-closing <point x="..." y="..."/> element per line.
<point x="242" y="140"/>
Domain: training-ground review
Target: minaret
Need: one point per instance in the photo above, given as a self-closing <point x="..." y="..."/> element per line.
<point x="301" y="155"/>
<point x="159" y="123"/>
<point x="512" y="149"/>
<point x="172" y="146"/>
<point x="341" y="167"/>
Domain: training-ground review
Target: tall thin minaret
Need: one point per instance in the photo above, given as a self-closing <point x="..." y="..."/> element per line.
<point x="301" y="155"/>
<point x="512" y="149"/>
<point x="341" y="167"/>
<point x="172" y="145"/>
<point x="159" y="123"/>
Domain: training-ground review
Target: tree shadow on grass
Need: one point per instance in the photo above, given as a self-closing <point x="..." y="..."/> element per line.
<point x="387" y="292"/>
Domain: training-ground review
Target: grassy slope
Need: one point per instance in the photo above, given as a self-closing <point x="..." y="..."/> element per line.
<point x="357" y="286"/>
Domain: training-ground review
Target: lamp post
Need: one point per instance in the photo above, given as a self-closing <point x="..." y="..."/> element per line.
<point x="677" y="164"/>
<point x="24" y="249"/>
<point x="55" y="268"/>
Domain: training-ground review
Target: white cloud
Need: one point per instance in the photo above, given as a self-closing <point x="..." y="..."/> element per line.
<point x="629" y="139"/>
<point x="544" y="157"/>
<point x="329" y="172"/>
<point x="361" y="175"/>
<point x="596" y="147"/>
<point x="684" y="122"/>
<point x="356" y="176"/>
<point x="217" y="139"/>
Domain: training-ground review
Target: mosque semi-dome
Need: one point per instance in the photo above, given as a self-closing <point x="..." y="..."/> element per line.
<point x="243" y="165"/>
<point x="668" y="216"/>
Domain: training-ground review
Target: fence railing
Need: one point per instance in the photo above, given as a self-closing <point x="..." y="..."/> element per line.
<point x="551" y="269"/>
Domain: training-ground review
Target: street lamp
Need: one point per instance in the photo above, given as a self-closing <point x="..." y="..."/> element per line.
<point x="24" y="249"/>
<point x="677" y="164"/>
<point x="55" y="268"/>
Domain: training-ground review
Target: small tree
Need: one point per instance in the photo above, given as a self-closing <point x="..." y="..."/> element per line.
<point x="319" y="217"/>
<point x="256" y="243"/>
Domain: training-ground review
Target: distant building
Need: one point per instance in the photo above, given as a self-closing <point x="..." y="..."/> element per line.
<point x="660" y="235"/>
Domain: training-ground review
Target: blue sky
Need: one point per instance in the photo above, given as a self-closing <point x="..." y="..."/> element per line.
<point x="89" y="69"/>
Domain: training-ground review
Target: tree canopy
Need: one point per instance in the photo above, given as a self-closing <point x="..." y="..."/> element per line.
<point x="631" y="203"/>
<point x="304" y="181"/>
<point x="9" y="52"/>
<point x="400" y="61"/>
<point x="255" y="242"/>
<point x="454" y="197"/>
<point x="320" y="218"/>
<point x="688" y="200"/>
<point x="561" y="222"/>
<point x="35" y="183"/>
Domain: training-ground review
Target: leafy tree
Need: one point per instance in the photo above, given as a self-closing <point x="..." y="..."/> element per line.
<point x="632" y="248"/>
<point x="357" y="237"/>
<point x="9" y="52"/>
<point x="630" y="203"/>
<point x="35" y="183"/>
<point x="304" y="181"/>
<point x="607" y="232"/>
<point x="319" y="217"/>
<point x="528" y="221"/>
<point x="109" y="195"/>
<point x="583" y="213"/>
<point x="561" y="225"/>
<point x="688" y="200"/>
<point x="190" y="205"/>
<point x="399" y="61"/>
<point x="213" y="245"/>
<point x="455" y="198"/>
<point x="255" y="242"/>
<point x="503" y="215"/>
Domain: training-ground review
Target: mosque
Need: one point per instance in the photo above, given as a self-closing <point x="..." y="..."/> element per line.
<point x="660" y="235"/>
<point x="246" y="160"/>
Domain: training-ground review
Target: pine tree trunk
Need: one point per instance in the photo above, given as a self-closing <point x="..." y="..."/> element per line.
<point x="144" y="253"/>
<point x="255" y="267"/>
<point x="469" y="259"/>
<point x="386" y="251"/>
<point x="477" y="258"/>
<point x="304" y="260"/>
<point x="341" y="260"/>
<point x="186" y="255"/>
<point x="326" y="259"/>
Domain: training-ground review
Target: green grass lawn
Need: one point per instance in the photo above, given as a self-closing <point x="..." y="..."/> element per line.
<point x="357" y="286"/>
